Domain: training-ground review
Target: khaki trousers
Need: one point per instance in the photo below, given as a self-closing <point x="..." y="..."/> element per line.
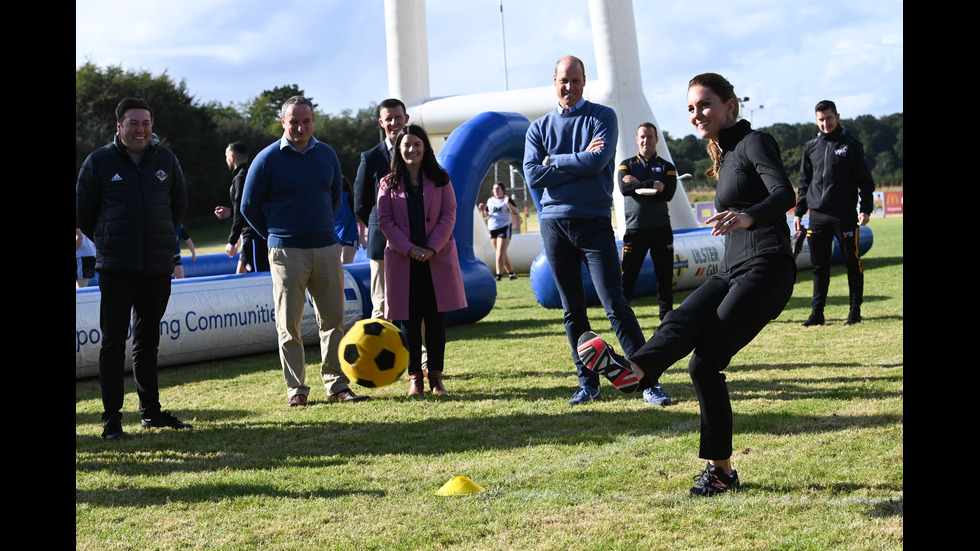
<point x="320" y="272"/>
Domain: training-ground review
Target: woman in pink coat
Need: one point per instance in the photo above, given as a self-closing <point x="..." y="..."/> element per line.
<point x="417" y="213"/>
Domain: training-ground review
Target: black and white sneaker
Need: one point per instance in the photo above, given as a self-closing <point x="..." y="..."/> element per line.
<point x="600" y="358"/>
<point x="713" y="481"/>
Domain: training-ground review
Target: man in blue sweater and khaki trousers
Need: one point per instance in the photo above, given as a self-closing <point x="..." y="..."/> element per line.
<point x="292" y="194"/>
<point x="569" y="156"/>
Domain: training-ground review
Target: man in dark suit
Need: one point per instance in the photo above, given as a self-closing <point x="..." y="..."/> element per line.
<point x="375" y="165"/>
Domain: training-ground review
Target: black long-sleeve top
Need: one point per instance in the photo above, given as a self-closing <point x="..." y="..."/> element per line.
<point x="753" y="180"/>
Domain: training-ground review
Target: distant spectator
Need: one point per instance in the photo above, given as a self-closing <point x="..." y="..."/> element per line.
<point x="499" y="209"/>
<point x="515" y="219"/>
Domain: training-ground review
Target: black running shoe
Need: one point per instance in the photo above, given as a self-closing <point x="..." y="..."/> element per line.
<point x="814" y="319"/>
<point x="164" y="420"/>
<point x="600" y="358"/>
<point x="713" y="481"/>
<point x="112" y="430"/>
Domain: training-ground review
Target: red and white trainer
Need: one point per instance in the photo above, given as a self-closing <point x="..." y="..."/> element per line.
<point x="600" y="358"/>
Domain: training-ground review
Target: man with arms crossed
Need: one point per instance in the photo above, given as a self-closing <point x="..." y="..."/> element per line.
<point x="648" y="183"/>
<point x="568" y="156"/>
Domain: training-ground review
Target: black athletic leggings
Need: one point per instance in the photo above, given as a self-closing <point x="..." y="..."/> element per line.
<point x="717" y="320"/>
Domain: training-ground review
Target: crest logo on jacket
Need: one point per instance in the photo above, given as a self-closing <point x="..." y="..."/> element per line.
<point x="842" y="152"/>
<point x="161" y="175"/>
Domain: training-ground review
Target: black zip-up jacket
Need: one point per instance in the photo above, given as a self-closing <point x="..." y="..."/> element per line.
<point x="753" y="180"/>
<point x="834" y="174"/>
<point x="130" y="211"/>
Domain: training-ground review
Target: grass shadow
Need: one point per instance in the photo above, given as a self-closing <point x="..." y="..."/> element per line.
<point x="258" y="445"/>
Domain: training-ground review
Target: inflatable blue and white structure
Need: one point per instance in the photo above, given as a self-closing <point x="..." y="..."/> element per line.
<point x="697" y="256"/>
<point x="207" y="318"/>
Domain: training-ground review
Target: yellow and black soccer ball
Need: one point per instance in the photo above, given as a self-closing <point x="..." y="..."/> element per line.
<point x="373" y="353"/>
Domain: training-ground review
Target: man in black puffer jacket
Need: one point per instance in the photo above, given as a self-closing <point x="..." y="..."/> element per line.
<point x="129" y="198"/>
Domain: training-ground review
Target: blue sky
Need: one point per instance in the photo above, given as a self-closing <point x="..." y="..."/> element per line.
<point x="785" y="56"/>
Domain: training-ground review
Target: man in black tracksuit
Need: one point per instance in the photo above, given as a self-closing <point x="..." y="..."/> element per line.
<point x="647" y="218"/>
<point x="833" y="175"/>
<point x="255" y="251"/>
<point x="129" y="198"/>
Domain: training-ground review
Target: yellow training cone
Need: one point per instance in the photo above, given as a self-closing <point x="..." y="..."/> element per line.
<point x="460" y="485"/>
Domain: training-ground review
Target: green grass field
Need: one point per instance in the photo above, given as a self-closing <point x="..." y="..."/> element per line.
<point x="818" y="435"/>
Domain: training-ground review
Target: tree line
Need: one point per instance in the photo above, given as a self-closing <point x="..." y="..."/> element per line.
<point x="198" y="133"/>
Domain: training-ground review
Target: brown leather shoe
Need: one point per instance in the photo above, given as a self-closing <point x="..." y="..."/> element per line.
<point x="435" y="382"/>
<point x="416" y="384"/>
<point x="347" y="395"/>
<point x="297" y="400"/>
